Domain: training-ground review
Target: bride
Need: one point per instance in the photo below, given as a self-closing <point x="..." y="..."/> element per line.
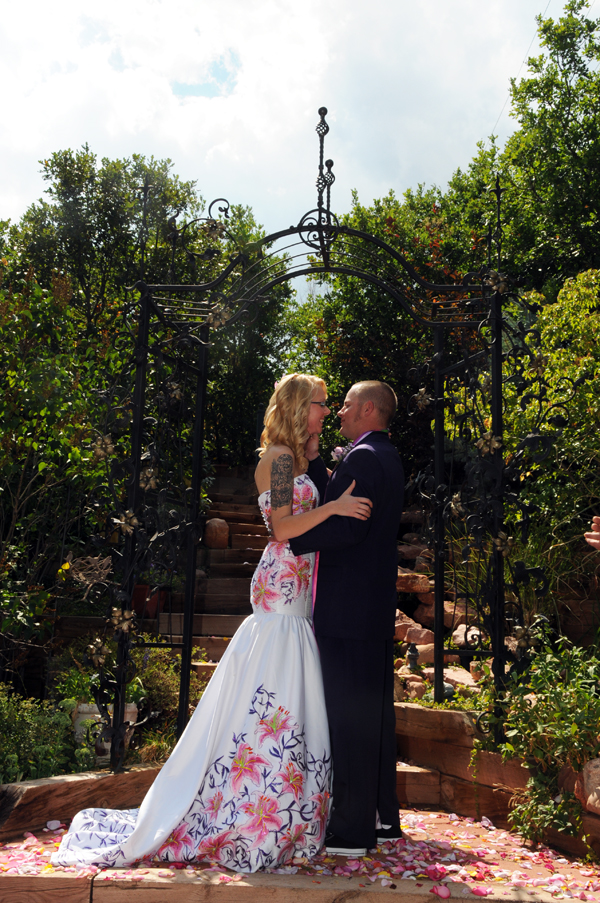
<point x="248" y="784"/>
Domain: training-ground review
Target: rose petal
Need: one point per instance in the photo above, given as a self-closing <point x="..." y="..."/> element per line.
<point x="440" y="890"/>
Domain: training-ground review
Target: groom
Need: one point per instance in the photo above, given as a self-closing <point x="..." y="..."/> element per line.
<point x="354" y="618"/>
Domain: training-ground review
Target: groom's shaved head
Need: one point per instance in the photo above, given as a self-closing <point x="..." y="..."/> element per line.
<point x="383" y="398"/>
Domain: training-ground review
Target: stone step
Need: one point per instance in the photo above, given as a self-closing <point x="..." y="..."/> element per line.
<point x="27" y="805"/>
<point x="222" y="557"/>
<point x="234" y="472"/>
<point x="236" y="498"/>
<point x="217" y="604"/>
<point x="204" y="670"/>
<point x="251" y="529"/>
<point x="203" y="625"/>
<point x="118" y="885"/>
<point x="232" y="570"/>
<point x="233" y="486"/>
<point x="235" y="511"/>
<point x="243" y="541"/>
<point x="218" y="585"/>
<point x="417" y="786"/>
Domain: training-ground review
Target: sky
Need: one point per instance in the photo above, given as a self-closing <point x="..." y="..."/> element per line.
<point x="229" y="91"/>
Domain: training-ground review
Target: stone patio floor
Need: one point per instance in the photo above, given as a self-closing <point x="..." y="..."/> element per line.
<point x="442" y="854"/>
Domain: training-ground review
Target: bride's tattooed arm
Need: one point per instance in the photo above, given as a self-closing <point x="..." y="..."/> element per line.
<point x="282" y="481"/>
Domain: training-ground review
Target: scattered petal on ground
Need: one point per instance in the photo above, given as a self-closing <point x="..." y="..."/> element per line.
<point x="440" y="890"/>
<point x="474" y="858"/>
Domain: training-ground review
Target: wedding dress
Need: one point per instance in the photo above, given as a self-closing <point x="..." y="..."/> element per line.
<point x="248" y="784"/>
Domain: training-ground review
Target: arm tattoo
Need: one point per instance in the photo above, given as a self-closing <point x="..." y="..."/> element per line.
<point x="282" y="482"/>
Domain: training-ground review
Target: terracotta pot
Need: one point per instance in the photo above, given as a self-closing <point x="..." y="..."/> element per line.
<point x="139" y="599"/>
<point x="146" y="605"/>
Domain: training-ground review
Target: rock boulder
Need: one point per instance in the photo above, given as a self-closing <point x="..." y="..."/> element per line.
<point x="587" y="786"/>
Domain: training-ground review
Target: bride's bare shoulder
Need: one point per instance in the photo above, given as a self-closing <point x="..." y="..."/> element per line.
<point x="279" y="455"/>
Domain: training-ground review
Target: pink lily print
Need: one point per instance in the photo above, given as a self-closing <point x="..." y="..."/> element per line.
<point x="264" y="819"/>
<point x="303" y="499"/>
<point x="321" y="810"/>
<point x="297" y="571"/>
<point x="275" y="725"/>
<point x="245" y="765"/>
<point x="262" y="596"/>
<point x="291" y="841"/>
<point x="292" y="780"/>
<point x="213" y="847"/>
<point x="177" y="842"/>
<point x="213" y="805"/>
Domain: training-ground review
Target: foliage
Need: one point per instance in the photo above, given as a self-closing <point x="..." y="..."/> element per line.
<point x="36" y="739"/>
<point x="68" y="323"/>
<point x="553" y="159"/>
<point x="461" y="702"/>
<point x="563" y="481"/>
<point x="548" y="168"/>
<point x="244" y="359"/>
<point x="355" y="331"/>
<point x="158" y="670"/>
<point x="158" y="745"/>
<point x="550" y="715"/>
<point x="104" y="226"/>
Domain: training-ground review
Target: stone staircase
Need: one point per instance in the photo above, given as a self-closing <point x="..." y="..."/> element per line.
<point x="222" y="592"/>
<point x="222" y="597"/>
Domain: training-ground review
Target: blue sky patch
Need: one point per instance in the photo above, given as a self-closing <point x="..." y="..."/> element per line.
<point x="221" y="80"/>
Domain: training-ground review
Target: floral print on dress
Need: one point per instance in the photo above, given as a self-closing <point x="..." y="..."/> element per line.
<point x="283" y="579"/>
<point x="262" y="793"/>
<point x="254" y="810"/>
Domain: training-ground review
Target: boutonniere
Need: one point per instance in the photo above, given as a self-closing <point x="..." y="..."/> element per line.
<point x="338" y="454"/>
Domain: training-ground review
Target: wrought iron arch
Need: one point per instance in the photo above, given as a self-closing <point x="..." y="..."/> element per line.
<point x="320" y="246"/>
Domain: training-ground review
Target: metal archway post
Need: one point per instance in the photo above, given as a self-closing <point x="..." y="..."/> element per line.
<point x="117" y="746"/>
<point x="194" y="532"/>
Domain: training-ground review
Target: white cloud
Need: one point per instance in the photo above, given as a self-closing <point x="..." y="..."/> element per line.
<point x="410" y="87"/>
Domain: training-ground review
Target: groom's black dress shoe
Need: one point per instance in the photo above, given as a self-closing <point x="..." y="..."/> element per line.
<point x="340" y="847"/>
<point x="389" y="835"/>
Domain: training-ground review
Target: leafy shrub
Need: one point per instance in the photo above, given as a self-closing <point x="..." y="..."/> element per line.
<point x="159" y="671"/>
<point x="550" y="715"/>
<point x="565" y="483"/>
<point x="36" y="739"/>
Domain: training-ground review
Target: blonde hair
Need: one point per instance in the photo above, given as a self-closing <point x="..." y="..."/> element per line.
<point x="286" y="418"/>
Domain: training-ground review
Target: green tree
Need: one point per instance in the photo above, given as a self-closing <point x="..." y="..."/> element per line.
<point x="548" y="168"/>
<point x="104" y="226"/>
<point x="553" y="159"/>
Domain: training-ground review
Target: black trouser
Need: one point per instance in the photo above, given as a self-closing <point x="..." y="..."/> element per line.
<point x="358" y="676"/>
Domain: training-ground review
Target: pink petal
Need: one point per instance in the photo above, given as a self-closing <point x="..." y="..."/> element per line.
<point x="440" y="890"/>
<point x="481" y="891"/>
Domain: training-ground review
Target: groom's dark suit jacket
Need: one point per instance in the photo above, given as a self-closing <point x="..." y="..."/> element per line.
<point x="358" y="565"/>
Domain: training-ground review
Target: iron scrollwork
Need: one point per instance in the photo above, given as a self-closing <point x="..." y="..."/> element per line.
<point x="483" y="348"/>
